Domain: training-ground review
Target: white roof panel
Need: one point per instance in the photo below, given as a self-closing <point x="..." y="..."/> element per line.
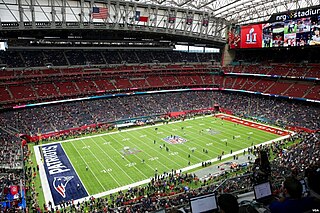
<point x="237" y="11"/>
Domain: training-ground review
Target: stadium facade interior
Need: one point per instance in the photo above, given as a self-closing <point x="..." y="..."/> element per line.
<point x="89" y="90"/>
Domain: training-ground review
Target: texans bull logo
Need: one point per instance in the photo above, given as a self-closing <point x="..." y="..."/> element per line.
<point x="60" y="183"/>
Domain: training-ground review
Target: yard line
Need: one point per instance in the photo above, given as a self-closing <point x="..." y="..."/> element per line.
<point x="223" y="129"/>
<point x="216" y="138"/>
<point x="114" y="163"/>
<point x="101" y="164"/>
<point x="152" y="149"/>
<point x="125" y="158"/>
<point x="165" y="155"/>
<point x="231" y="143"/>
<point x="87" y="165"/>
<point x="136" y="146"/>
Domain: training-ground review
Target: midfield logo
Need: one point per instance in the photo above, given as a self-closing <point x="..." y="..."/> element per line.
<point x="60" y="184"/>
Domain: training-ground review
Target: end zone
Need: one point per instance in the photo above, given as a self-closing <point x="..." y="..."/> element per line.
<point x="252" y="124"/>
<point x="59" y="179"/>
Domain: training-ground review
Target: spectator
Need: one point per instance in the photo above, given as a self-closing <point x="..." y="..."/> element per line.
<point x="261" y="168"/>
<point x="228" y="203"/>
<point x="293" y="201"/>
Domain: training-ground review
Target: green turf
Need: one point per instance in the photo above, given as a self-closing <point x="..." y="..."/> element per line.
<point x="108" y="168"/>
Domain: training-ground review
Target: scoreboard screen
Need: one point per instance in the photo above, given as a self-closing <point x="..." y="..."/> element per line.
<point x="290" y="29"/>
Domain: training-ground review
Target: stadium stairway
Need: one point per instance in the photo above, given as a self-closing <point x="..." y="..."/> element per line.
<point x="285" y="91"/>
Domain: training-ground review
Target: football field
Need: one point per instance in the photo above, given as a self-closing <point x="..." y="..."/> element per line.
<point x="101" y="164"/>
<point x="108" y="161"/>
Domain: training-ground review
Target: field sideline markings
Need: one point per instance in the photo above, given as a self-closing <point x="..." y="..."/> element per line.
<point x="228" y="133"/>
<point x="88" y="166"/>
<point x="161" y="124"/>
<point x="43" y="176"/>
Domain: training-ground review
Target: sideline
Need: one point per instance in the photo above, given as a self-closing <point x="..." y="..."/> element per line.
<point x="43" y="176"/>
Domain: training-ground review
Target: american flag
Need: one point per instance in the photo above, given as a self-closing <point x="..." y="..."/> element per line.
<point x="99" y="13"/>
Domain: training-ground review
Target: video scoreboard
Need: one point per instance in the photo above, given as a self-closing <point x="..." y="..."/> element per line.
<point x="296" y="28"/>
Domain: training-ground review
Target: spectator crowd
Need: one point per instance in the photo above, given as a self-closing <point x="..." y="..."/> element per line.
<point x="11" y="171"/>
<point x="69" y="58"/>
<point x="52" y="118"/>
